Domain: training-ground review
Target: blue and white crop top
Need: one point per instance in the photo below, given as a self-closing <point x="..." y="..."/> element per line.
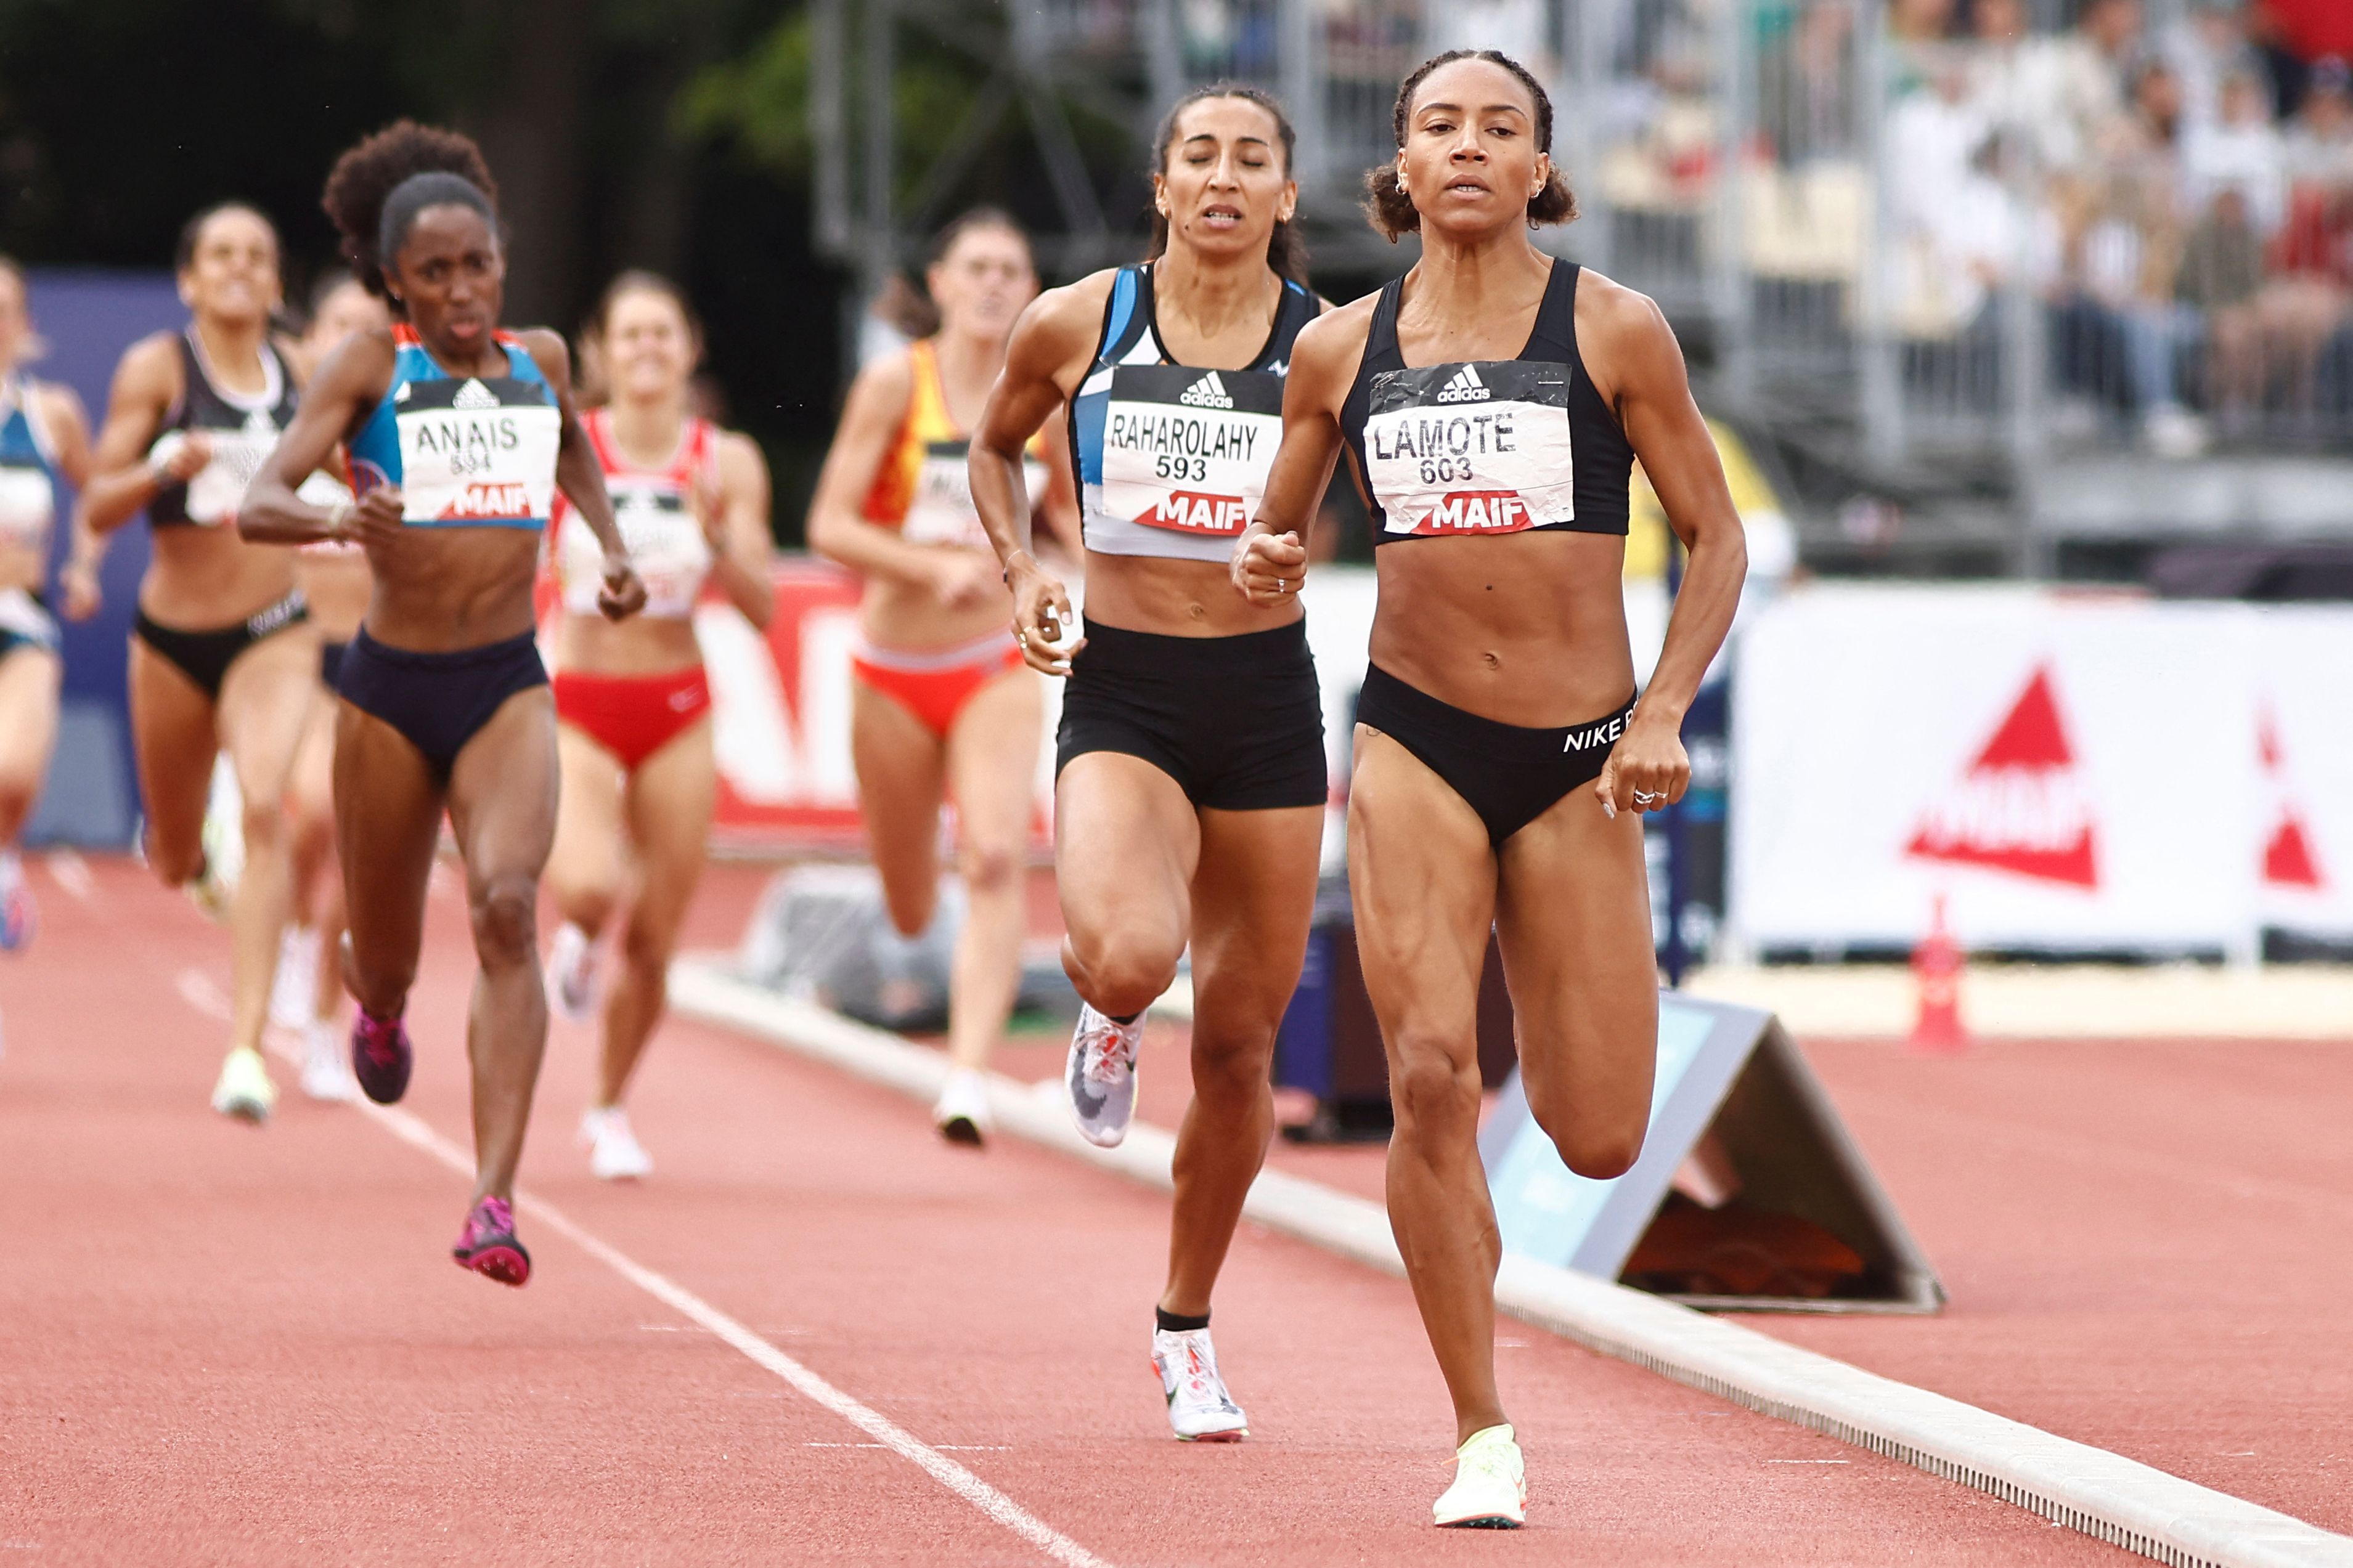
<point x="28" y="471"/>
<point x="466" y="451"/>
<point x="1171" y="459"/>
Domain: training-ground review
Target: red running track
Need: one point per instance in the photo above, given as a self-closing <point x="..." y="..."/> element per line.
<point x="223" y="1345"/>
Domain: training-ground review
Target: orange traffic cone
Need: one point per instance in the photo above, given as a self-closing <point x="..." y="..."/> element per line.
<point x="1937" y="965"/>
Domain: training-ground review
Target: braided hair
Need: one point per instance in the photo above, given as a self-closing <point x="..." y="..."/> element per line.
<point x="1390" y="207"/>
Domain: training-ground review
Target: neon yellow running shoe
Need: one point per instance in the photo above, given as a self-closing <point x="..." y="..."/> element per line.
<point x="1491" y="1484"/>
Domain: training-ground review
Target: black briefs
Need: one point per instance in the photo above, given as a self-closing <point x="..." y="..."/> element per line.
<point x="205" y="657"/>
<point x="1235" y="721"/>
<point x="331" y="663"/>
<point x="1507" y="774"/>
<point x="438" y="701"/>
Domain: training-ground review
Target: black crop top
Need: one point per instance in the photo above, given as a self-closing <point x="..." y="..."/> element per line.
<point x="243" y="430"/>
<point x="1487" y="446"/>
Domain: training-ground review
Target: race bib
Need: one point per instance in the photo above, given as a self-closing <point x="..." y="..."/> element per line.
<point x="1188" y="450"/>
<point x="665" y="543"/>
<point x="218" y="488"/>
<point x="1480" y="448"/>
<point x="478" y="451"/>
<point x="942" y="511"/>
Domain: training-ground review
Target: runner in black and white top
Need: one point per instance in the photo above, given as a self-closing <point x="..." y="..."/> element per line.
<point x="1492" y="403"/>
<point x="1190" y="771"/>
<point x="223" y="660"/>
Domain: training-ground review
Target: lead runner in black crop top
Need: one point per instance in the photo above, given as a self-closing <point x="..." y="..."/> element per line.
<point x="1491" y="403"/>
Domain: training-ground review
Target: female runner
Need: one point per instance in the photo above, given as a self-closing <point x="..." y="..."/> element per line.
<point x="333" y="575"/>
<point x="43" y="435"/>
<point x="1190" y="776"/>
<point x="459" y="433"/>
<point x="941" y="706"/>
<point x="221" y="658"/>
<point x="1492" y="402"/>
<point x="632" y="704"/>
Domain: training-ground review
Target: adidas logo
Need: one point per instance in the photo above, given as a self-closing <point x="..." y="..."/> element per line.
<point x="1465" y="387"/>
<point x="474" y="395"/>
<point x="400" y="393"/>
<point x="1211" y="392"/>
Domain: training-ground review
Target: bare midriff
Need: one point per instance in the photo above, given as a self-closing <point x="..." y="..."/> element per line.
<point x="643" y="644"/>
<point x="337" y="586"/>
<point x="444" y="590"/>
<point x="1527" y="629"/>
<point x="1174" y="598"/>
<point x="202" y="578"/>
<point x="22" y="566"/>
<point x="902" y="615"/>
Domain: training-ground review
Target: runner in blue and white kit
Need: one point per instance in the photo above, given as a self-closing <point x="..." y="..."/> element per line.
<point x="1190" y="781"/>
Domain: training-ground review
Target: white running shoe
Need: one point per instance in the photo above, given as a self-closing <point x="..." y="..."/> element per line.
<point x="245" y="1090"/>
<point x="296" y="984"/>
<point x="962" y="1113"/>
<point x="571" y="974"/>
<point x="1199" y="1408"/>
<point x="614" y="1152"/>
<point x="1100" y="1076"/>
<point x="1491" y="1484"/>
<point x="327" y="1063"/>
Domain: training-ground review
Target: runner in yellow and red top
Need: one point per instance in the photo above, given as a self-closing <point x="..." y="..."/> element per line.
<point x="632" y="702"/>
<point x="942" y="706"/>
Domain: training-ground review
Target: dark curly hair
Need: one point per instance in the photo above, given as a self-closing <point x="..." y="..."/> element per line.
<point x="377" y="188"/>
<point x="1286" y="250"/>
<point x="1387" y="203"/>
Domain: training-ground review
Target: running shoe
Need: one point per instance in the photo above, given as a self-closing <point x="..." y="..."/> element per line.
<point x="488" y="1244"/>
<point x="1491" y="1484"/>
<point x="18" y="918"/>
<point x="381" y="1057"/>
<point x="212" y="893"/>
<point x="614" y="1152"/>
<point x="571" y="974"/>
<point x="326" y="1066"/>
<point x="1199" y="1408"/>
<point x="244" y="1089"/>
<point x="296" y="983"/>
<point x="1100" y="1076"/>
<point x="962" y="1113"/>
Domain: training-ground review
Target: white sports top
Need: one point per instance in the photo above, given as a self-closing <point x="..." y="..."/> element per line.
<point x="655" y="510"/>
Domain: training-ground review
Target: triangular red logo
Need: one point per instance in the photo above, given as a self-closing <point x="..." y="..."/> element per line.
<point x="2020" y="807"/>
<point x="2288" y="859"/>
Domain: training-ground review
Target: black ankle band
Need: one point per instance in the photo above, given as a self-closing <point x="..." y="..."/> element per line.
<point x="1177" y="1322"/>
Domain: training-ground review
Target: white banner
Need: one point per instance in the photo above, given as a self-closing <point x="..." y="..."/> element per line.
<point x="2305" y="748"/>
<point x="2068" y="772"/>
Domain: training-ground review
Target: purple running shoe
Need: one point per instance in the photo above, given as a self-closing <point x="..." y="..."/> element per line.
<point x="381" y="1057"/>
<point x="488" y="1244"/>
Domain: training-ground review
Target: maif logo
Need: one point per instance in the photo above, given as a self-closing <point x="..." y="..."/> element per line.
<point x="2020" y="807"/>
<point x="1206" y="393"/>
<point x="1464" y="386"/>
<point x="2288" y="859"/>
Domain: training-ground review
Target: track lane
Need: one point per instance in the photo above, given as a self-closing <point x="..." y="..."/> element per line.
<point x="261" y="1354"/>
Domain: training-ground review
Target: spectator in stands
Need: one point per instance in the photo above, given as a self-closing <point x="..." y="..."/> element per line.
<point x="2220" y="284"/>
<point x="2205" y="48"/>
<point x="1806" y="87"/>
<point x="2071" y="88"/>
<point x="2317" y="149"/>
<point x="2304" y="302"/>
<point x="2239" y="151"/>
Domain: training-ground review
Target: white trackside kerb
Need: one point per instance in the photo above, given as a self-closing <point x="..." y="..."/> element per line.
<point x="2101" y="1494"/>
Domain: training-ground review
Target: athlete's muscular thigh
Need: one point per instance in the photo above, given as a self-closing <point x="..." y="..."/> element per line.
<point x="1253" y="896"/>
<point x="1573" y="916"/>
<point x="1126" y="844"/>
<point x="901" y="779"/>
<point x="1423" y="890"/>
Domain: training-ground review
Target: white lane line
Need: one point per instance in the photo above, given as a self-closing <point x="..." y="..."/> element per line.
<point x="71" y="872"/>
<point x="887" y="1433"/>
<point x="199" y="991"/>
<point x="2101" y="1494"/>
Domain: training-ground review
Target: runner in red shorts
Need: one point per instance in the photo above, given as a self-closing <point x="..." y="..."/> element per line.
<point x="940" y="707"/>
<point x="632" y="704"/>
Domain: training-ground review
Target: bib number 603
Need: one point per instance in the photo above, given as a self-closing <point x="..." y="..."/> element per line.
<point x="1444" y="471"/>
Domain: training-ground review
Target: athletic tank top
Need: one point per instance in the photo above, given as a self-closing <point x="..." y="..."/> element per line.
<point x="467" y="452"/>
<point x="28" y="473"/>
<point x="655" y="510"/>
<point x="1172" y="460"/>
<point x="924" y="488"/>
<point x="241" y="427"/>
<point x="1509" y="446"/>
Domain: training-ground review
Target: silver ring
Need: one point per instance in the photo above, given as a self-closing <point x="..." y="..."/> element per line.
<point x="1649" y="794"/>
